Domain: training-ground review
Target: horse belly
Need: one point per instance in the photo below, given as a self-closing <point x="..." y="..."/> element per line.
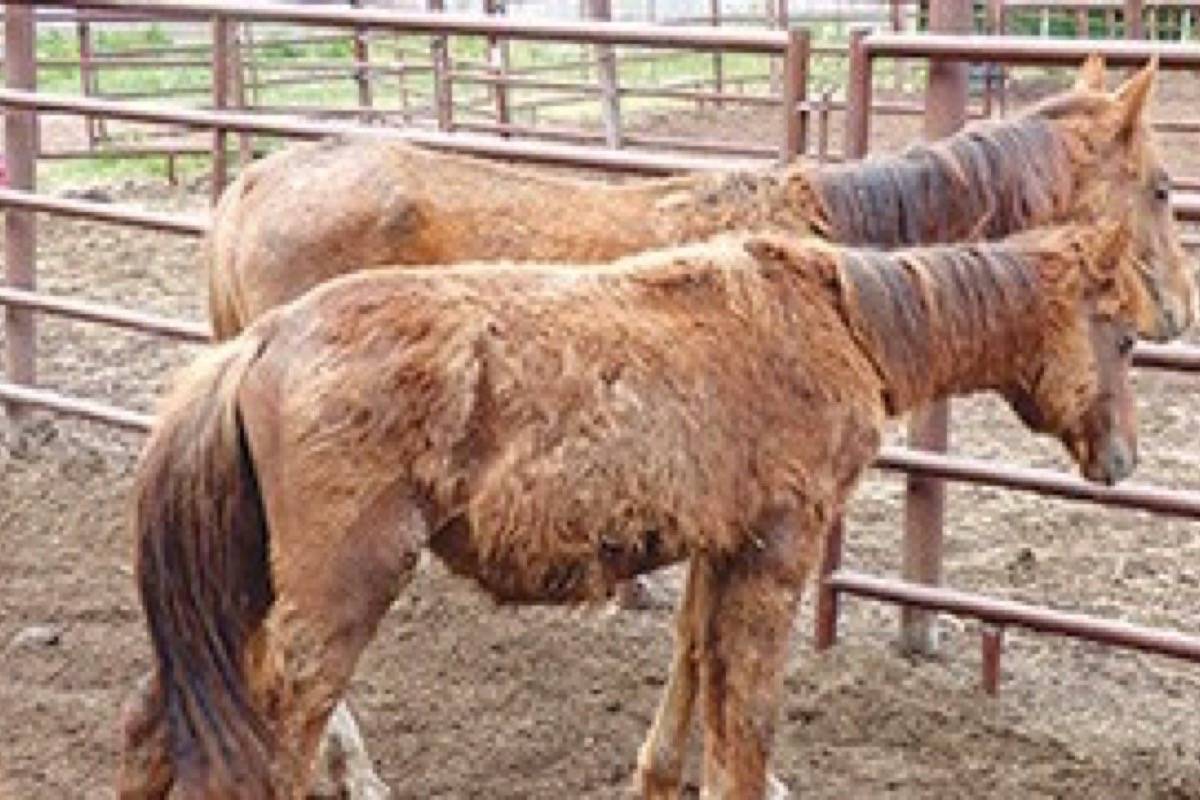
<point x="533" y="570"/>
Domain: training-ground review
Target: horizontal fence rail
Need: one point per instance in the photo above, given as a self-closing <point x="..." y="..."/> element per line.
<point x="273" y="125"/>
<point x="1030" y="50"/>
<point x="185" y="224"/>
<point x="1011" y="612"/>
<point x="107" y="315"/>
<point x="75" y="407"/>
<point x="613" y="33"/>
<point x="1132" y="496"/>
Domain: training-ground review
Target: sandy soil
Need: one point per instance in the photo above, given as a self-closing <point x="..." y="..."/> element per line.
<point x="462" y="700"/>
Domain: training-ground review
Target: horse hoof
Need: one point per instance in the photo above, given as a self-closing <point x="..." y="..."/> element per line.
<point x="641" y="594"/>
<point x="343" y="769"/>
<point x="777" y="789"/>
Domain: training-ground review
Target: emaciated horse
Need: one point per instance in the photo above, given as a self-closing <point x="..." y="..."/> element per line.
<point x="316" y="211"/>
<point x="551" y="431"/>
<point x="313" y="212"/>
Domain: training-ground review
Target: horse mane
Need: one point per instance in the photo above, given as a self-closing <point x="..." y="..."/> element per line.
<point x="916" y="313"/>
<point x="987" y="181"/>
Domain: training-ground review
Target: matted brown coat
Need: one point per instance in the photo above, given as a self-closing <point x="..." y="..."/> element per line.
<point x="315" y="211"/>
<point x="550" y="431"/>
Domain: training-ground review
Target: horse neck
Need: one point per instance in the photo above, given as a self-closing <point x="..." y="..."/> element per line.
<point x="982" y="183"/>
<point x="944" y="321"/>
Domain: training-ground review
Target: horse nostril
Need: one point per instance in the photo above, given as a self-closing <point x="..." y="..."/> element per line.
<point x="1120" y="462"/>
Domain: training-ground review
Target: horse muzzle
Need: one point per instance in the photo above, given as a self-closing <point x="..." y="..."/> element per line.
<point x="1114" y="462"/>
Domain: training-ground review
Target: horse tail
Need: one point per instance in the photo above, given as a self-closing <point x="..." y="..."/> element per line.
<point x="219" y="255"/>
<point x="203" y="576"/>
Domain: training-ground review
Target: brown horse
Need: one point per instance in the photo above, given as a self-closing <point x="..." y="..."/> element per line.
<point x="316" y="211"/>
<point x="554" y="430"/>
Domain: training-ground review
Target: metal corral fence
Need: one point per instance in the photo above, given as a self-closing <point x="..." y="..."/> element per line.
<point x="945" y="108"/>
<point x="427" y="84"/>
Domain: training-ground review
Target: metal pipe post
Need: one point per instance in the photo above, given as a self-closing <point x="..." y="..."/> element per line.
<point x="498" y="63"/>
<point x="606" y="72"/>
<point x="718" y="64"/>
<point x="443" y="92"/>
<point x="362" y="63"/>
<point x="823" y="111"/>
<point x="991" y="647"/>
<point x="1135" y="27"/>
<point x="858" y="97"/>
<point x="220" y="101"/>
<point x="237" y="72"/>
<point x="929" y="427"/>
<point x="827" y="594"/>
<point x="795" y="92"/>
<point x="83" y="30"/>
<point x="20" y="227"/>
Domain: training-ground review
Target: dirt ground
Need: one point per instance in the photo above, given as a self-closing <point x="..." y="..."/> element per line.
<point x="459" y="699"/>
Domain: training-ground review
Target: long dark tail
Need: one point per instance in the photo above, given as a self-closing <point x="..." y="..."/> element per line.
<point x="202" y="572"/>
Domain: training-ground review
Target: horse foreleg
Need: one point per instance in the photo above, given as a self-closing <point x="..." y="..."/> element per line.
<point x="661" y="758"/>
<point x="743" y="649"/>
<point x="145" y="771"/>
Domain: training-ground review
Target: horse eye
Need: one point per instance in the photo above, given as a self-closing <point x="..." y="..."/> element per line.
<point x="1125" y="344"/>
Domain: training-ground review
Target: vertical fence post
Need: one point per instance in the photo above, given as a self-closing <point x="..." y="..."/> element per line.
<point x="220" y="100"/>
<point x="1134" y="26"/>
<point x="857" y="131"/>
<point x="1082" y="28"/>
<point x="362" y="65"/>
<point x="858" y="97"/>
<point x="20" y="228"/>
<point x="83" y="30"/>
<point x="771" y="18"/>
<point x="795" y="94"/>
<point x="718" y="63"/>
<point x="606" y="73"/>
<point x="899" y="66"/>
<point x="402" y="81"/>
<point x="997" y="74"/>
<point x="929" y="427"/>
<point x="237" y="73"/>
<point x="827" y="597"/>
<point x="443" y="93"/>
<point x="250" y="55"/>
<point x="823" y="111"/>
<point x="991" y="647"/>
<point x="498" y="68"/>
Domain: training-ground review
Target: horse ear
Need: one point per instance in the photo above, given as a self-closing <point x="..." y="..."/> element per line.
<point x="1133" y="96"/>
<point x="1091" y="74"/>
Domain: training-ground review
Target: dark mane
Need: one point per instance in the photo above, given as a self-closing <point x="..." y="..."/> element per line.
<point x="893" y="301"/>
<point x="987" y="181"/>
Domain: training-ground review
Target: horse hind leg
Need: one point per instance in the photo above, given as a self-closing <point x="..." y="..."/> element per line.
<point x="343" y="769"/>
<point x="332" y="588"/>
<point x="144" y="771"/>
